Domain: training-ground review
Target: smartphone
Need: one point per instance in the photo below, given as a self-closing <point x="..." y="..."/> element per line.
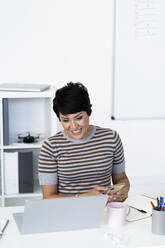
<point x="113" y="188"/>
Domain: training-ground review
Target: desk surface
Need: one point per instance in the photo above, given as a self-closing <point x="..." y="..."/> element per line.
<point x="135" y="234"/>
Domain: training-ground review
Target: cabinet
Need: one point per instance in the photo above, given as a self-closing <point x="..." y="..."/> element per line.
<point x="26" y="112"/>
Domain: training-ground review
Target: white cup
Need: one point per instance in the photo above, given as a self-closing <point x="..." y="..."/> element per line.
<point x="116" y="214"/>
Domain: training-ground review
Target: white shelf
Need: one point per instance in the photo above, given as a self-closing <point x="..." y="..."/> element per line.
<point x="23" y="146"/>
<point x="21" y="195"/>
<point x="27" y="112"/>
<point x="36" y="193"/>
<point x="14" y="94"/>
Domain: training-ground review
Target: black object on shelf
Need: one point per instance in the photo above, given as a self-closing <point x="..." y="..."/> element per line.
<point x="25" y="164"/>
<point x="28" y="138"/>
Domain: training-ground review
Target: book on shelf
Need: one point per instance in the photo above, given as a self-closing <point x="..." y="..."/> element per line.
<point x="11" y="172"/>
<point x="0" y="184"/>
<point x="18" y="172"/>
<point x="5" y="121"/>
<point x="25" y="160"/>
<point x="140" y="202"/>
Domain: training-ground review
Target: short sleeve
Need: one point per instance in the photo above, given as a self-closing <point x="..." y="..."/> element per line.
<point x="47" y="165"/>
<point x="118" y="159"/>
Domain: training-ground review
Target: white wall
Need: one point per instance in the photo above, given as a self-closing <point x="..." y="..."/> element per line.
<point x="58" y="41"/>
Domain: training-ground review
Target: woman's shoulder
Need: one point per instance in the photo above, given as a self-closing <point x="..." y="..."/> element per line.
<point x="56" y="138"/>
<point x="105" y="130"/>
<point x="107" y="134"/>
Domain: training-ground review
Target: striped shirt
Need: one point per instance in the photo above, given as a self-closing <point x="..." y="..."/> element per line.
<point x="77" y="166"/>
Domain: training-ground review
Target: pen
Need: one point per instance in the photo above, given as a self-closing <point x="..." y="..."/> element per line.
<point x="161" y="202"/>
<point x="163" y="207"/>
<point x="140" y="210"/>
<point x="4" y="228"/>
<point x="158" y="203"/>
<point x="152" y="205"/>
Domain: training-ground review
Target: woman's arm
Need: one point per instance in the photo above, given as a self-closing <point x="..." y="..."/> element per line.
<point x="122" y="194"/>
<point x="121" y="178"/>
<point x="50" y="191"/>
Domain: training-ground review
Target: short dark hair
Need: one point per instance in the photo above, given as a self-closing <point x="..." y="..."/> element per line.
<point x="71" y="99"/>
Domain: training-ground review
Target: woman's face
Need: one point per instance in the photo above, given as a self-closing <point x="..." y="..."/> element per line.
<point x="76" y="126"/>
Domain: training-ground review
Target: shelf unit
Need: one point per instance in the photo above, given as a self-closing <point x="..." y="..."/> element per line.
<point x="27" y="112"/>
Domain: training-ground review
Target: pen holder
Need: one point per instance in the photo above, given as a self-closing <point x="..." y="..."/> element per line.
<point x="158" y="222"/>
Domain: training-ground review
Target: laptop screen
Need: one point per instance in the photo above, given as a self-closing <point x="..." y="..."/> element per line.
<point x="62" y="214"/>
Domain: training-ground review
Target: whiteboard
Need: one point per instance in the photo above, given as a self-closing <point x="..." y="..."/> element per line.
<point x="139" y="59"/>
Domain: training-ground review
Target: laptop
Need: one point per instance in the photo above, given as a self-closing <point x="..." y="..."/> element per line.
<point x="61" y="214"/>
<point x="23" y="87"/>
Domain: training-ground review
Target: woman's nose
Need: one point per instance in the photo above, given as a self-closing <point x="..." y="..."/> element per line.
<point x="73" y="125"/>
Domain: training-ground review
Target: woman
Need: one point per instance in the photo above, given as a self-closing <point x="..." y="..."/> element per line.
<point x="82" y="159"/>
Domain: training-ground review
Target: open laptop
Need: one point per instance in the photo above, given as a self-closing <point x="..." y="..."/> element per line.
<point x="61" y="214"/>
<point x="23" y="87"/>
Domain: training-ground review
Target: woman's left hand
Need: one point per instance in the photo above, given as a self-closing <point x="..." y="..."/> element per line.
<point x="118" y="195"/>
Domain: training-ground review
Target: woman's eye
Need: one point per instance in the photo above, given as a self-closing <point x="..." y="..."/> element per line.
<point x="65" y="120"/>
<point x="79" y="118"/>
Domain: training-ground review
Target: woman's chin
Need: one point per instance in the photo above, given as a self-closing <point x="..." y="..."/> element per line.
<point x="77" y="136"/>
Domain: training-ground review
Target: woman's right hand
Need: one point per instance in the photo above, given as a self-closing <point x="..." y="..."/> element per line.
<point x="96" y="191"/>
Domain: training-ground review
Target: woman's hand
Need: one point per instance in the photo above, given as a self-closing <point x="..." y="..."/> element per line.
<point x="96" y="191"/>
<point x="118" y="194"/>
<point x="122" y="193"/>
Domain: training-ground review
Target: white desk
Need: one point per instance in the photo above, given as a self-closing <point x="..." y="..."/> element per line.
<point x="138" y="234"/>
